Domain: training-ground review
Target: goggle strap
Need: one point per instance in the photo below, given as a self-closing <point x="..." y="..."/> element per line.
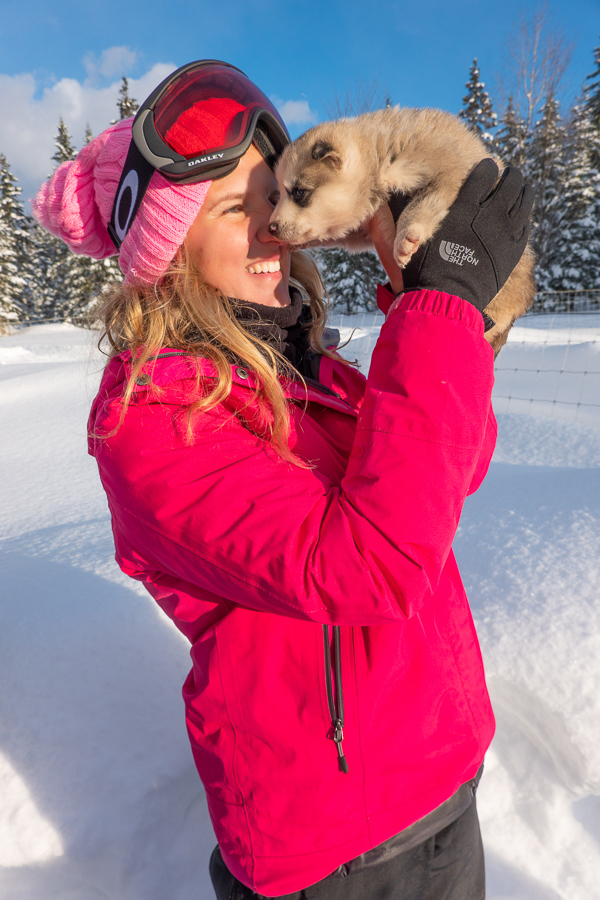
<point x="135" y="178"/>
<point x="264" y="144"/>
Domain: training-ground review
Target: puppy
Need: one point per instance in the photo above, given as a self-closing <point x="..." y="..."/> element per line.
<point x="335" y="177"/>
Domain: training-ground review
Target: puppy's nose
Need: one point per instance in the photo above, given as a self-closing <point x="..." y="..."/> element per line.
<point x="273" y="228"/>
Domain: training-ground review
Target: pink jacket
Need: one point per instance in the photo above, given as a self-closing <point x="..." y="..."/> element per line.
<point x="251" y="557"/>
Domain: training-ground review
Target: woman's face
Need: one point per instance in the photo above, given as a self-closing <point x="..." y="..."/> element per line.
<point x="229" y="240"/>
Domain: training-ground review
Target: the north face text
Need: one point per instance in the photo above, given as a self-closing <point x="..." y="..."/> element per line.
<point x="457" y="253"/>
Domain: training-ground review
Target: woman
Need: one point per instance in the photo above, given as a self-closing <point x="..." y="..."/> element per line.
<point x="294" y="519"/>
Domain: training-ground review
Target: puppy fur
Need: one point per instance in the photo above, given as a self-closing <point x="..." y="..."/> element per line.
<point x="335" y="177"/>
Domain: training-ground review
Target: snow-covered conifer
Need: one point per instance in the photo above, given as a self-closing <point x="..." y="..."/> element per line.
<point x="592" y="101"/>
<point x="511" y="138"/>
<point x="64" y="144"/>
<point x="351" y="279"/>
<point x="477" y="110"/>
<point x="593" y="91"/>
<point x="16" y="257"/>
<point x="126" y="105"/>
<point x="55" y="257"/>
<point x="545" y="169"/>
<point x="88" y="278"/>
<point x="46" y="295"/>
<point x="573" y="253"/>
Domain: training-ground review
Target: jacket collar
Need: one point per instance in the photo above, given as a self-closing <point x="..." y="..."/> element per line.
<point x="170" y="366"/>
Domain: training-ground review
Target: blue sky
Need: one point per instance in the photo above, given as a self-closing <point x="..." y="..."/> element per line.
<point x="67" y="57"/>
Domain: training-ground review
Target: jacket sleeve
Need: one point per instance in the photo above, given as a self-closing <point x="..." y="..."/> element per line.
<point x="230" y="517"/>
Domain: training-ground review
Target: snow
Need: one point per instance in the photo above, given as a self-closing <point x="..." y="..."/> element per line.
<point x="99" y="797"/>
<point x="98" y="790"/>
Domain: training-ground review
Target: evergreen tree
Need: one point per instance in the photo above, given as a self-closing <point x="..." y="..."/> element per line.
<point x="88" y="278"/>
<point x="351" y="279"/>
<point x="59" y="261"/>
<point x="126" y="105"/>
<point x="45" y="294"/>
<point x="88" y="134"/>
<point x="64" y="144"/>
<point x="573" y="256"/>
<point x="592" y="101"/>
<point x="477" y="111"/>
<point x="67" y="284"/>
<point x="52" y="256"/>
<point x="511" y="138"/>
<point x="14" y="249"/>
<point x="545" y="169"/>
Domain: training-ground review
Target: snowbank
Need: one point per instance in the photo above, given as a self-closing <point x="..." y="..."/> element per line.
<point x="98" y="793"/>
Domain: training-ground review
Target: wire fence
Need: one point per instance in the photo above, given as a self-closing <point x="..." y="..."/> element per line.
<point x="565" y="302"/>
<point x="550" y="365"/>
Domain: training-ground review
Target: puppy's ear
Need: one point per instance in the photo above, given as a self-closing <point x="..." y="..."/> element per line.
<point x="323" y="150"/>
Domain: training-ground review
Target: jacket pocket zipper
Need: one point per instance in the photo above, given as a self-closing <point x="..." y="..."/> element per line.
<point x="335" y="700"/>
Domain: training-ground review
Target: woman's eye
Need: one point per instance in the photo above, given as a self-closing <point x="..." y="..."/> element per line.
<point x="234" y="209"/>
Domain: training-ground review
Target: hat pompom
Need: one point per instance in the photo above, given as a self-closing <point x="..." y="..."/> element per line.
<point x="76" y="205"/>
<point x="67" y="204"/>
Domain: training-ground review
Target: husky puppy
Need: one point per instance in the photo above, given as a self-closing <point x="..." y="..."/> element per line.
<point x="335" y="177"/>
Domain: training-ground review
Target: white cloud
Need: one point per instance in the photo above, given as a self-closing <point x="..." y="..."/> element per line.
<point x="30" y="118"/>
<point x="29" y="122"/>
<point x="295" y="112"/>
<point x="115" y="61"/>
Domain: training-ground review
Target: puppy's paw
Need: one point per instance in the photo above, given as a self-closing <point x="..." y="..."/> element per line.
<point x="405" y="246"/>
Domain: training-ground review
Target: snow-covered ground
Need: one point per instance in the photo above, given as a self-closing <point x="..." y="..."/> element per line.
<point x="98" y="794"/>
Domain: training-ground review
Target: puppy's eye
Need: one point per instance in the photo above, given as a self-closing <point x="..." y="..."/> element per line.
<point x="299" y="195"/>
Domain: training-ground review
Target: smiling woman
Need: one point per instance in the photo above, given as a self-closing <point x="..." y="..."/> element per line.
<point x="293" y="519"/>
<point x="229" y="240"/>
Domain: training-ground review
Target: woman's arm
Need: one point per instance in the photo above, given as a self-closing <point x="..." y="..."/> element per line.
<point x="231" y="517"/>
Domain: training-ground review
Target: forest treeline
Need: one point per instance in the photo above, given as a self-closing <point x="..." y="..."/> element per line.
<point x="41" y="279"/>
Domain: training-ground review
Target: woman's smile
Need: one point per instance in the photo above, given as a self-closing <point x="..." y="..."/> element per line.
<point x="267" y="267"/>
<point x="230" y="242"/>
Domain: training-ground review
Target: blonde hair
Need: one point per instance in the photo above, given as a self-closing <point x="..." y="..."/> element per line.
<point x="186" y="314"/>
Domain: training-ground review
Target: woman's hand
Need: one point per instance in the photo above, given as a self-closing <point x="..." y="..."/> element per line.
<point x="480" y="241"/>
<point x="382" y="231"/>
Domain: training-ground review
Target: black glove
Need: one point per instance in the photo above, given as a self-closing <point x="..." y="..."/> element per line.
<point x="480" y="241"/>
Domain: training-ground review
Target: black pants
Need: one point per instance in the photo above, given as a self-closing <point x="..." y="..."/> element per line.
<point x="447" y="866"/>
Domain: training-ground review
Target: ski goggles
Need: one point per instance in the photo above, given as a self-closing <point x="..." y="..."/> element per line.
<point x="195" y="126"/>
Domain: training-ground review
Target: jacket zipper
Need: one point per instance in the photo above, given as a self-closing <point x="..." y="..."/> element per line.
<point x="321" y="387"/>
<point x="335" y="701"/>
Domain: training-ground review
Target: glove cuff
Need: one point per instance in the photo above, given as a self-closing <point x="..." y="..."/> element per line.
<point x="488" y="322"/>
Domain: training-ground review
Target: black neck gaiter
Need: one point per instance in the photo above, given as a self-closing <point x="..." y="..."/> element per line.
<point x="283" y="327"/>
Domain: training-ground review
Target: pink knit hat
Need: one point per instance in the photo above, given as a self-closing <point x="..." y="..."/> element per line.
<point x="76" y="206"/>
